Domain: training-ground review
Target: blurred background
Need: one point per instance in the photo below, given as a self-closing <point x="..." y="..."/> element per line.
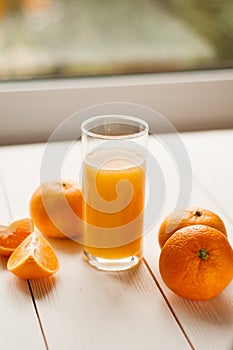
<point x="66" y="38"/>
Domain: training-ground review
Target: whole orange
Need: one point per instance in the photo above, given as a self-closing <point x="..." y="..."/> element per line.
<point x="56" y="209"/>
<point x="191" y="216"/>
<point x="197" y="262"/>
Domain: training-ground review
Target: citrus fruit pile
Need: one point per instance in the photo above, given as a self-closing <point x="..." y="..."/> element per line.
<point x="196" y="259"/>
<point x="54" y="209"/>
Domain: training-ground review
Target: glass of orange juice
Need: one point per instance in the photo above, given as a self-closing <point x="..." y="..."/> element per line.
<point x="113" y="187"/>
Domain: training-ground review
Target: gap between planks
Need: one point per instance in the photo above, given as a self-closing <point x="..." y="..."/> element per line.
<point x="143" y="261"/>
<point x="28" y="281"/>
<point x="167" y="302"/>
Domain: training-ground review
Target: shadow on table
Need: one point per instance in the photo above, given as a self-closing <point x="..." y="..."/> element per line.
<point x="66" y="246"/>
<point x="44" y="287"/>
<point x="215" y="311"/>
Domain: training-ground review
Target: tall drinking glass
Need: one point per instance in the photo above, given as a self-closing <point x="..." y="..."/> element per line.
<point x="113" y="187"/>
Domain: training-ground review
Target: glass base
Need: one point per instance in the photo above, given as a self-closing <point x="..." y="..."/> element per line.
<point x="112" y="264"/>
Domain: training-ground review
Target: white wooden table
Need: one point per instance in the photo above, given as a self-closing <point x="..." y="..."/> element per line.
<point x="82" y="308"/>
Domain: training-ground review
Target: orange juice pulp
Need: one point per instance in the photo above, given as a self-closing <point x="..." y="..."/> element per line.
<point x="114" y="191"/>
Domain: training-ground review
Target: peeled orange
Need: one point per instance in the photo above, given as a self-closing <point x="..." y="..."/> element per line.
<point x="11" y="236"/>
<point x="33" y="258"/>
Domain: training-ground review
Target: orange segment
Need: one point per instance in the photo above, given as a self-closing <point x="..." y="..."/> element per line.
<point x="33" y="258"/>
<point x="11" y="236"/>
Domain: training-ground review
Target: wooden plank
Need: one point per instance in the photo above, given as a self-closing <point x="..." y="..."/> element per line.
<point x="208" y="324"/>
<point x="211" y="154"/>
<point x="19" y="323"/>
<point x="84" y="308"/>
<point x="102" y="310"/>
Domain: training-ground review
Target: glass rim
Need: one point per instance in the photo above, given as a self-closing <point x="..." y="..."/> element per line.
<point x="140" y="122"/>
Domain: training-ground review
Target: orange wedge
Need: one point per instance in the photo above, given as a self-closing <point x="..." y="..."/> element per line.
<point x="11" y="236"/>
<point x="33" y="258"/>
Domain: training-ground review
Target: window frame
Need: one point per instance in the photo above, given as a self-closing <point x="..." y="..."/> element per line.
<point x="197" y="100"/>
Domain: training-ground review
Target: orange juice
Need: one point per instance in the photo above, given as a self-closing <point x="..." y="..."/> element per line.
<point x="114" y="191"/>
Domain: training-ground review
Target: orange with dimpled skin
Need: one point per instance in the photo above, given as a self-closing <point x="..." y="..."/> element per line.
<point x="188" y="217"/>
<point x="54" y="208"/>
<point x="196" y="262"/>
